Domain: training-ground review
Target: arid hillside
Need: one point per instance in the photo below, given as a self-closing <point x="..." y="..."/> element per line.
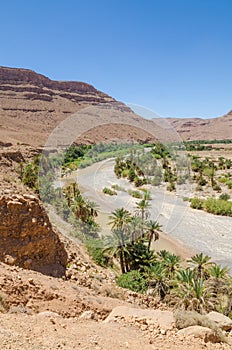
<point x="203" y="129"/>
<point x="32" y="105"/>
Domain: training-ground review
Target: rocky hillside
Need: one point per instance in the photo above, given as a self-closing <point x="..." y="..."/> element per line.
<point x="203" y="129"/>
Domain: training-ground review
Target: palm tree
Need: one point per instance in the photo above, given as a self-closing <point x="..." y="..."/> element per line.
<point x="153" y="228"/>
<point x="218" y="279"/>
<point x="201" y="264"/>
<point x="93" y="208"/>
<point x="142" y="210"/>
<point x="158" y="280"/>
<point x="120" y="219"/>
<point x="193" y="294"/>
<point x="115" y="246"/>
<point x="136" y="228"/>
<point x="171" y="264"/>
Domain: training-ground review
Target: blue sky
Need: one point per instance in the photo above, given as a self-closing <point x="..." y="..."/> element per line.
<point x="171" y="56"/>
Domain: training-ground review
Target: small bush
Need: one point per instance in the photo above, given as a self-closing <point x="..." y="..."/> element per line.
<point x="224" y="196"/>
<point x="229" y="184"/>
<point x="135" y="194"/>
<point x="134" y="281"/>
<point x="196" y="203"/>
<point x="94" y="248"/>
<point x="116" y="187"/>
<point x="171" y="187"/>
<point x="138" y="182"/>
<point x="108" y="191"/>
<point x="217" y="188"/>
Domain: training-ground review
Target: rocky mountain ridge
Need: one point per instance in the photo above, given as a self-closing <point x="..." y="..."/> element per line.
<point x="219" y="128"/>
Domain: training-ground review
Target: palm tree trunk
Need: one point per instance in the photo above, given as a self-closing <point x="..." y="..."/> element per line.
<point x="121" y="258"/>
<point x="150" y="240"/>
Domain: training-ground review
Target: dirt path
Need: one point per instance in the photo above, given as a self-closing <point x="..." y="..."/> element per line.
<point x="185" y="227"/>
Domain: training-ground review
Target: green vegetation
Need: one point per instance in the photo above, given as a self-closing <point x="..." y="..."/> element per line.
<point x="212" y="205"/>
<point x="133" y="280"/>
<point x="108" y="191"/>
<point x="135" y="194"/>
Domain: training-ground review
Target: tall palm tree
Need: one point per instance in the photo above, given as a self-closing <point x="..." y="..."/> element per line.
<point x="120" y="219"/>
<point x="135" y="228"/>
<point x="115" y="246"/>
<point x="142" y="210"/>
<point x="153" y="228"/>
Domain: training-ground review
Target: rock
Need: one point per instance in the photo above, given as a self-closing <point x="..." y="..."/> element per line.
<point x="87" y="315"/>
<point x="222" y="321"/>
<point x="164" y="319"/>
<point x="48" y="314"/>
<point x="204" y="333"/>
<point x="25" y="240"/>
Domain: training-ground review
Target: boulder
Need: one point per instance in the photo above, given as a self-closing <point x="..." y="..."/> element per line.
<point x="164" y="319"/>
<point x="207" y="334"/>
<point x="222" y="321"/>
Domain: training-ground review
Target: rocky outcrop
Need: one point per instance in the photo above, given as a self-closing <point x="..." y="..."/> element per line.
<point x="27" y="238"/>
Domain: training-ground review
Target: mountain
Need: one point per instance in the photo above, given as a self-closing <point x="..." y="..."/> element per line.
<point x="203" y="129"/>
<point x="32" y="105"/>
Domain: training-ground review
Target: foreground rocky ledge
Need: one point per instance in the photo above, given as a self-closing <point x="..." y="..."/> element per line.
<point x="27" y="238"/>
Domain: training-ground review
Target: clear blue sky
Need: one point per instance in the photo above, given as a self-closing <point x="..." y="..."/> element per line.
<point x="172" y="56"/>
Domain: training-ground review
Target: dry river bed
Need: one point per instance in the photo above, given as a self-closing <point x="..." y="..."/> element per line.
<point x="185" y="230"/>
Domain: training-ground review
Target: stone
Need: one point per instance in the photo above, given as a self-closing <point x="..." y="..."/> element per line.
<point x="164" y="319"/>
<point x="87" y="315"/>
<point x="48" y="314"/>
<point x="222" y="321"/>
<point x="204" y="333"/>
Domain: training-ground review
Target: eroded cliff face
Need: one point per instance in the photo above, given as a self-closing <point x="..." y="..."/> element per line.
<point x="27" y="238"/>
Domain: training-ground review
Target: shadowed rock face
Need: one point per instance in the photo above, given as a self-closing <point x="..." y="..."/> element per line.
<point x="27" y="238"/>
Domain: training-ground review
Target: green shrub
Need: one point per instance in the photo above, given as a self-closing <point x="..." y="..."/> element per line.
<point x="196" y="203"/>
<point x="229" y="184"/>
<point x="135" y="194"/>
<point x="171" y="187"/>
<point x="224" y="196"/>
<point x="138" y="182"/>
<point x="108" y="191"/>
<point x="116" y="187"/>
<point x="217" y="188"/>
<point x="95" y="250"/>
<point x="133" y="280"/>
<point x="218" y="206"/>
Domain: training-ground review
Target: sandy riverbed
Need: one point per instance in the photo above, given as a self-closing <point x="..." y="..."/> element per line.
<point x="186" y="230"/>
